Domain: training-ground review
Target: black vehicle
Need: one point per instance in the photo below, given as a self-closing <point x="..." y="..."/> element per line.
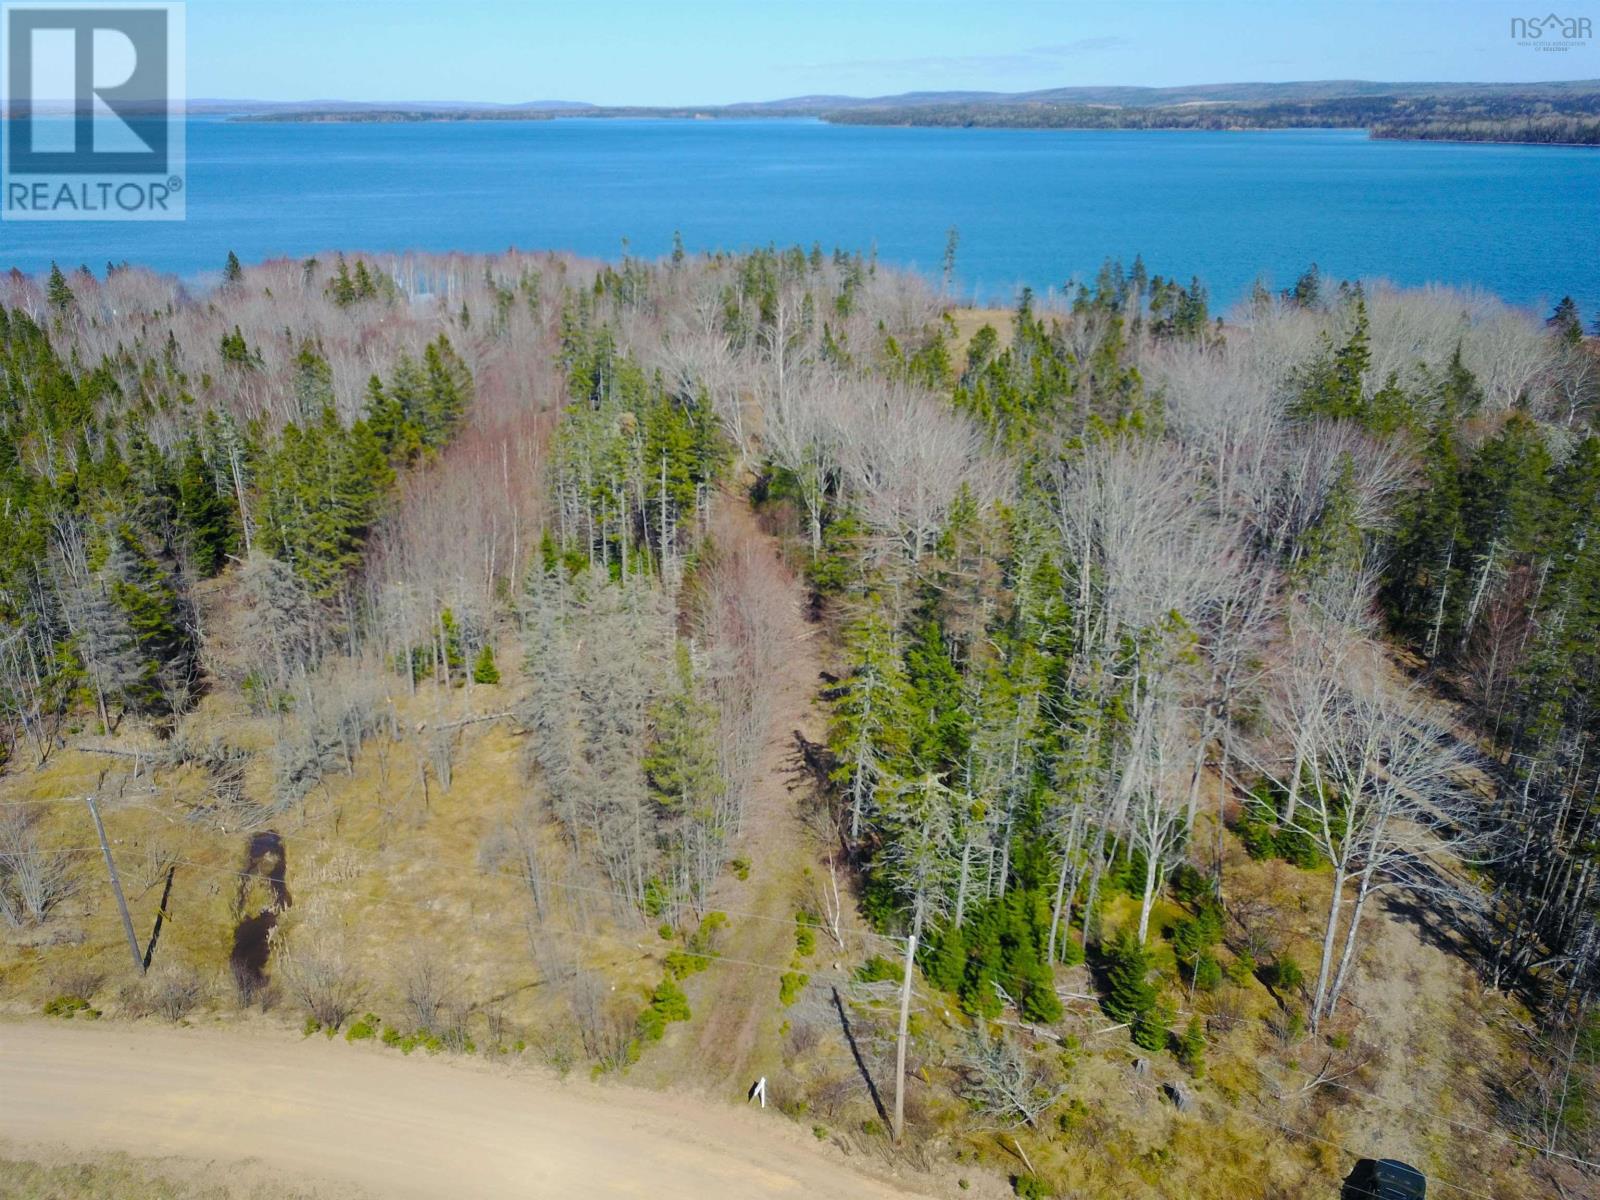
<point x="1384" y="1179"/>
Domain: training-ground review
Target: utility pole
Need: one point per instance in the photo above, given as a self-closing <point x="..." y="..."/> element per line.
<point x="900" y="1047"/>
<point x="116" y="886"/>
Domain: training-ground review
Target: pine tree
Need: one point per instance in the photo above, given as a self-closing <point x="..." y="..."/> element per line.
<point x="682" y="761"/>
<point x="313" y="382"/>
<point x="1565" y="322"/>
<point x="1504" y="504"/>
<point x="1307" y="290"/>
<point x="1192" y="1048"/>
<point x="232" y="272"/>
<point x="236" y="351"/>
<point x="1333" y="386"/>
<point x="868" y="735"/>
<point x="1131" y="997"/>
<point x="483" y="668"/>
<point x="341" y="289"/>
<point x="1335" y="540"/>
<point x="446" y="391"/>
<point x="59" y="291"/>
<point x="1458" y="394"/>
<point x="206" y="516"/>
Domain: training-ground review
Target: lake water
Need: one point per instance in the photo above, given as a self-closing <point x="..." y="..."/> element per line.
<point x="1033" y="207"/>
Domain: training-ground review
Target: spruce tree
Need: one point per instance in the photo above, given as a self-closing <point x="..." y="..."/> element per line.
<point x="1192" y="1048"/>
<point x="1565" y="322"/>
<point x="1131" y="997"/>
<point x="682" y="763"/>
<point x="60" y="292"/>
<point x="207" y="517"/>
<point x="232" y="272"/>
<point x="484" y="669"/>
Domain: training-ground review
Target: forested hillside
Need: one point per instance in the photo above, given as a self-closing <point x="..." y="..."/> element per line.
<point x="1209" y="699"/>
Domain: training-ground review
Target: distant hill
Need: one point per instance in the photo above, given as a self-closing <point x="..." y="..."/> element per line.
<point x="312" y="109"/>
<point x="1310" y="91"/>
<point x="1565" y="111"/>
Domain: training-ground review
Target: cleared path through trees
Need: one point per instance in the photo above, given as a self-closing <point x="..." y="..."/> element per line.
<point x="320" y="1111"/>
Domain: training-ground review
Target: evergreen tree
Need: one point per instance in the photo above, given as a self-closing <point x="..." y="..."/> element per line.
<point x="1130" y="996"/>
<point x="682" y="763"/>
<point x="1333" y="386"/>
<point x="1307" y="290"/>
<point x="1503" y="506"/>
<point x="1565" y="322"/>
<point x="1192" y="1048"/>
<point x="206" y="516"/>
<point x="868" y="735"/>
<point x="484" y="669"/>
<point x="1428" y="559"/>
<point x="60" y="292"/>
<point x="232" y="272"/>
<point x="313" y="382"/>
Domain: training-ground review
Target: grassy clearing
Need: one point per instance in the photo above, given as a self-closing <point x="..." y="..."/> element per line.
<point x="124" y="1177"/>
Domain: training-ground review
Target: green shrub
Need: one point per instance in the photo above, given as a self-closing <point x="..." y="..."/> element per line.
<point x="652" y="1024"/>
<point x="790" y="987"/>
<point x="311" y="1026"/>
<point x="1030" y="1187"/>
<point x="1260" y="827"/>
<point x="391" y="1036"/>
<point x="68" y="1007"/>
<point x="1192" y="886"/>
<point x="363" y="1030"/>
<point x="1192" y="1048"/>
<point x="805" y="935"/>
<point x="1242" y="969"/>
<point x="1150" y="1031"/>
<point x="741" y="868"/>
<point x="656" y="898"/>
<point x="667" y="1004"/>
<point x="1284" y="975"/>
<point x="704" y="939"/>
<point x="878" y="969"/>
<point x="681" y="964"/>
<point x="668" y="999"/>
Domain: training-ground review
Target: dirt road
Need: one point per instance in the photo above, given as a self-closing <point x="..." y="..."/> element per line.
<point x="326" y="1112"/>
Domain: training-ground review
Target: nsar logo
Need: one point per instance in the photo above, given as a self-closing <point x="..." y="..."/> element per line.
<point x="1552" y="32"/>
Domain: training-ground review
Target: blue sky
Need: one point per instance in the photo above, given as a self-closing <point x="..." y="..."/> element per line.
<point x="718" y="51"/>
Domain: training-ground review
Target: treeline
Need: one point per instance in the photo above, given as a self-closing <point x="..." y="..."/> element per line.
<point x="1510" y="118"/>
<point x="1554" y="129"/>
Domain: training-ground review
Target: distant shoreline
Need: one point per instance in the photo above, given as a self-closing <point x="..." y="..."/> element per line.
<point x="402" y="117"/>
